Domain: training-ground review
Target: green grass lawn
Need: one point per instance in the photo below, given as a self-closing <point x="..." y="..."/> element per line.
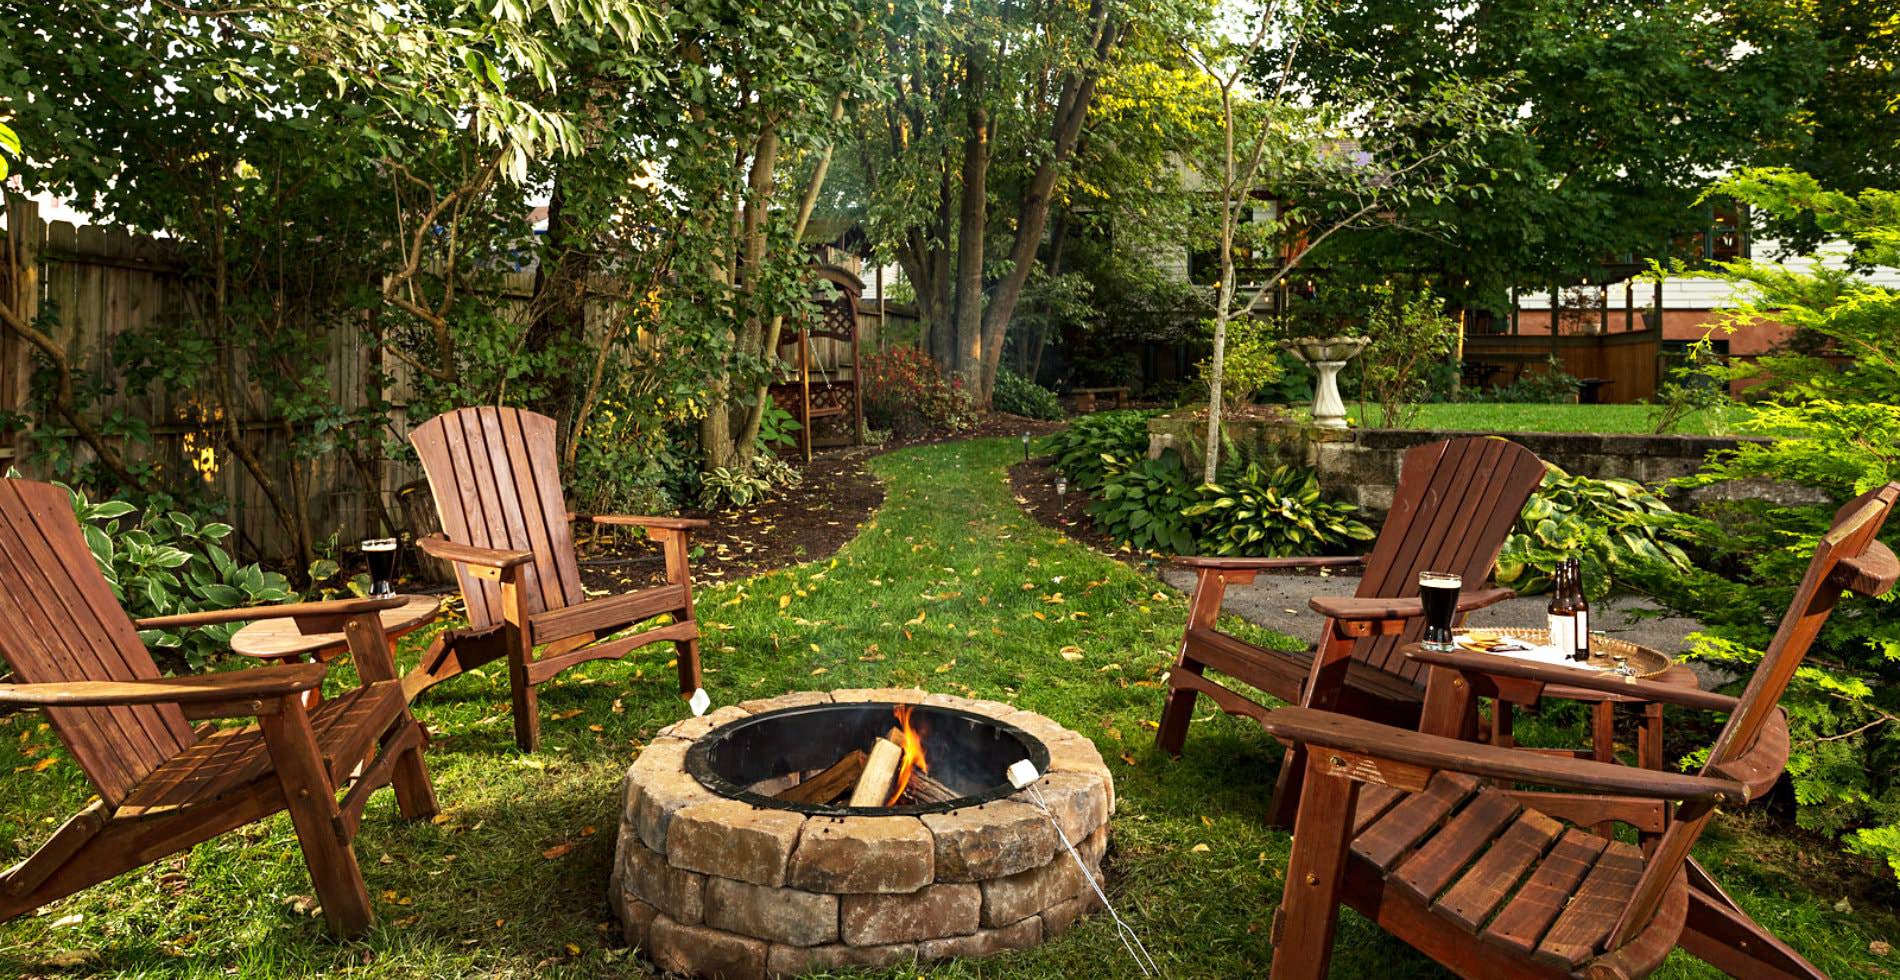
<point x="1509" y="417"/>
<point x="951" y="587"/>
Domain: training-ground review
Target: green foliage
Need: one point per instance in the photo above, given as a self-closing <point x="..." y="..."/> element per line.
<point x="1092" y="443"/>
<point x="1698" y="385"/>
<point x="9" y="147"/>
<point x="742" y="486"/>
<point x="167" y="563"/>
<point x="1623" y="534"/>
<point x="1410" y="335"/>
<point x="1018" y="395"/>
<point x="905" y="393"/>
<point x="777" y="427"/>
<point x="1834" y="426"/>
<point x="1552" y="385"/>
<point x="1143" y="503"/>
<point x="1252" y="362"/>
<point x="1266" y="513"/>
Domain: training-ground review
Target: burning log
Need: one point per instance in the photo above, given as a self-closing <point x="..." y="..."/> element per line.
<point x="828" y="785"/>
<point x="923" y="789"/>
<point x="880" y="772"/>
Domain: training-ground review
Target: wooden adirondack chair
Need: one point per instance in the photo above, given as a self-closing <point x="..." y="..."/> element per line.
<point x="508" y="532"/>
<point x="1428" y="836"/>
<point x="163" y="785"/>
<point x="1455" y="504"/>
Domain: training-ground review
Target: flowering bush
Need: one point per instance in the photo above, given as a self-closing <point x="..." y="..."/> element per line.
<point x="905" y="393"/>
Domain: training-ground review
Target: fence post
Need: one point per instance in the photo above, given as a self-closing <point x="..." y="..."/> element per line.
<point x="26" y="234"/>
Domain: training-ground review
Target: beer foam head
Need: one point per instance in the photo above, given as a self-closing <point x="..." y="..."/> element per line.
<point x="1440" y="580"/>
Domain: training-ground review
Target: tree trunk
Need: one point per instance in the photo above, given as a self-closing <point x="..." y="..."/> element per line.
<point x="560" y="308"/>
<point x="972" y="225"/>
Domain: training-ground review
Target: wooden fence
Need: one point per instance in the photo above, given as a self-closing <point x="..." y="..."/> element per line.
<point x="88" y="287"/>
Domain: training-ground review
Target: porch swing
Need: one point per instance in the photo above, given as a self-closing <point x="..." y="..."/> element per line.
<point x="833" y="392"/>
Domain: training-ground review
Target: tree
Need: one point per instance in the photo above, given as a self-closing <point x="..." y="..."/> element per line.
<point x="1595" y="168"/>
<point x="972" y="148"/>
<point x="1335" y="159"/>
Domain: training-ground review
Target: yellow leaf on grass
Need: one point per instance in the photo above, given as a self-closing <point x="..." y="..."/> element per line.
<point x="573" y="950"/>
<point x="44" y="764"/>
<point x="944" y="668"/>
<point x="565" y="715"/>
<point x="1206" y="820"/>
<point x="1070" y="653"/>
<point x="819" y="670"/>
<point x="1200" y="849"/>
<point x="919" y="621"/>
<point x="1128" y="757"/>
<point x="784" y="600"/>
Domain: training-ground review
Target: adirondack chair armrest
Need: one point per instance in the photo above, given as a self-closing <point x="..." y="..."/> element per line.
<point x="439" y="547"/>
<point x="1470" y="663"/>
<point x="333" y="609"/>
<point x="666" y="523"/>
<point x="252" y="684"/>
<point x="1355" y="608"/>
<point x="1355" y="745"/>
<point x="1267" y="564"/>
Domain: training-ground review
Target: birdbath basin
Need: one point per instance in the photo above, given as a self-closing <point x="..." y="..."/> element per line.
<point x="1326" y="355"/>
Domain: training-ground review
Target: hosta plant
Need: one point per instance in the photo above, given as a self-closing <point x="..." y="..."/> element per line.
<point x="1622" y="532"/>
<point x="166" y="563"/>
<point x="1143" y="503"/>
<point x="1091" y="444"/>
<point x="1257" y="512"/>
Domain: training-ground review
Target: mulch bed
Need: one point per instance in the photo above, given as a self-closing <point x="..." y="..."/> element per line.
<point x="809" y="522"/>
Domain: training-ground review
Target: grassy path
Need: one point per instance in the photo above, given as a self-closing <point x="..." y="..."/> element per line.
<point x="952" y="588"/>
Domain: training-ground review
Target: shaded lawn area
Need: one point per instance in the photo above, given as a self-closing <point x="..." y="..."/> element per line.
<point x="951" y="587"/>
<point x="1531" y="417"/>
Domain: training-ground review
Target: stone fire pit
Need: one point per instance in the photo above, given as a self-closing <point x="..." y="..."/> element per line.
<point x="718" y="886"/>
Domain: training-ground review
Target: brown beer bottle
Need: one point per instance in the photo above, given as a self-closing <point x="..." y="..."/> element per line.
<point x="1558" y="615"/>
<point x="1580" y="608"/>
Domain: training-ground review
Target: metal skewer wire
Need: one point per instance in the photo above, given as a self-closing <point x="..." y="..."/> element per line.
<point x="1123" y="931"/>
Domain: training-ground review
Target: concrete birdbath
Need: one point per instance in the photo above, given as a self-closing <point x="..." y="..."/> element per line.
<point x="1326" y="355"/>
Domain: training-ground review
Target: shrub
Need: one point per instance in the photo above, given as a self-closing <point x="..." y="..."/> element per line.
<point x="1621" y="532"/>
<point x="905" y="393"/>
<point x="1836" y="428"/>
<point x="1549" y="386"/>
<point x="743" y="486"/>
<point x="168" y="563"/>
<point x="1256" y="512"/>
<point x="1250" y="364"/>
<point x="1411" y="336"/>
<point x="1084" y="450"/>
<point x="1143" y="504"/>
<point x="1018" y="395"/>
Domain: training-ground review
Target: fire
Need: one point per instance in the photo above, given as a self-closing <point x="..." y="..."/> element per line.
<point x="913" y="754"/>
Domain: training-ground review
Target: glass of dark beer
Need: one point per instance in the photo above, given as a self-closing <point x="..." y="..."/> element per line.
<point x="1438" y="593"/>
<point x="380" y="553"/>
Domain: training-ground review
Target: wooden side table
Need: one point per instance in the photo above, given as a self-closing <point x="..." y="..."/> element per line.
<point x="291" y="641"/>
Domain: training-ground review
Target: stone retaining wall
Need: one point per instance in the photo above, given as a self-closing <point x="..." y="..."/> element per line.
<point x="1362" y="465"/>
<point x="712" y="886"/>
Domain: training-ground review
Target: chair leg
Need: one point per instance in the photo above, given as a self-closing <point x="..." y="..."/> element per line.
<point x="1175" y="715"/>
<point x="1309" y="911"/>
<point x="313" y="811"/>
<point x="1719" y="933"/>
<point x="674" y="545"/>
<point x="415" y="794"/>
<point x="527" y="702"/>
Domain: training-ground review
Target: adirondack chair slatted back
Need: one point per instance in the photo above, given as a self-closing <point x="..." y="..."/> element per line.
<point x="1851" y="537"/>
<point x="496" y="479"/>
<point x="59" y="622"/>
<point x="1455" y="504"/>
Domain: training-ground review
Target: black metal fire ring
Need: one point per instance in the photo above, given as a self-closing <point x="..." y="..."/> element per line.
<point x="699" y="763"/>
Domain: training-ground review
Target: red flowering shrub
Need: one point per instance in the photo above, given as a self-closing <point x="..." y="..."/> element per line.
<point x="905" y="393"/>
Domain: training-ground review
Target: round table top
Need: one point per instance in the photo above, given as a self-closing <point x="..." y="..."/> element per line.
<point x="1674" y="674"/>
<point x="277" y="639"/>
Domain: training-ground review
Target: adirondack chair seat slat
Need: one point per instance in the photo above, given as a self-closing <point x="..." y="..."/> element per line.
<point x="231" y="759"/>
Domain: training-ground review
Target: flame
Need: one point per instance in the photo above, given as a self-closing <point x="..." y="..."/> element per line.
<point x="913" y="754"/>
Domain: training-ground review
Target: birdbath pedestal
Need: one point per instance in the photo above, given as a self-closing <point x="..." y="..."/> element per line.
<point x="1326" y="355"/>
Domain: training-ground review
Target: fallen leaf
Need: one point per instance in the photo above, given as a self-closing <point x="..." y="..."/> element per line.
<point x="557" y="851"/>
<point x="565" y="715"/>
<point x="1200" y="849"/>
<point x="573" y="950"/>
<point x="1070" y="653"/>
<point x="919" y="621"/>
<point x="1206" y="820"/>
<point x="1129" y="757"/>
<point x="820" y="670"/>
<point x="1879" y="947"/>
